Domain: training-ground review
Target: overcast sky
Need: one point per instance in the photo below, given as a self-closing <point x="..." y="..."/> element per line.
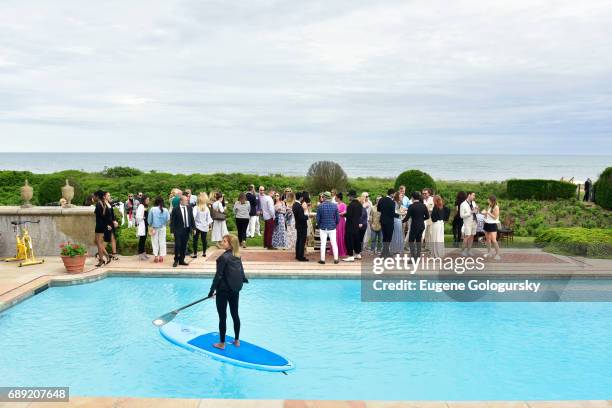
<point x="454" y="76"/>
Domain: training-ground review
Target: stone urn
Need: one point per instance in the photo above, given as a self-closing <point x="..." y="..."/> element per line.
<point x="68" y="194"/>
<point x="74" y="264"/>
<point x="27" y="192"/>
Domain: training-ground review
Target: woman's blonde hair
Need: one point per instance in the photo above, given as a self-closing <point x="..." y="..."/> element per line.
<point x="290" y="198"/>
<point x="173" y="193"/>
<point x="234" y="243"/>
<point x="202" y="201"/>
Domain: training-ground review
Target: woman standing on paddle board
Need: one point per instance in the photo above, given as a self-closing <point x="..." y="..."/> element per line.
<point x="226" y="286"/>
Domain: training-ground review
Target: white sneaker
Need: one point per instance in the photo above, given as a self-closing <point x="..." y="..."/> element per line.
<point x="470" y="253"/>
<point x="349" y="259"/>
<point x="487" y="255"/>
<point x="358" y="256"/>
<point x="464" y="252"/>
<point x="497" y="258"/>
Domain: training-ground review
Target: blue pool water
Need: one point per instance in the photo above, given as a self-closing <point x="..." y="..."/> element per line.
<point x="98" y="339"/>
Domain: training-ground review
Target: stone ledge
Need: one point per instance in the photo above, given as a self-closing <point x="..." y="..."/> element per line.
<point x="40" y="210"/>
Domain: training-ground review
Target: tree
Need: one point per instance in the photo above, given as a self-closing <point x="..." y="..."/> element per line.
<point x="120" y="171"/>
<point x="414" y="180"/>
<point x="50" y="190"/>
<point x="326" y="176"/>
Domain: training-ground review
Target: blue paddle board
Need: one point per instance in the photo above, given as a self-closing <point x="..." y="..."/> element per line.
<point x="248" y="355"/>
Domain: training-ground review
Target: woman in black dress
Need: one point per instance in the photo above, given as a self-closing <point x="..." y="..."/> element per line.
<point x="105" y="228"/>
<point x="226" y="286"/>
<point x="101" y="228"/>
<point x="110" y="233"/>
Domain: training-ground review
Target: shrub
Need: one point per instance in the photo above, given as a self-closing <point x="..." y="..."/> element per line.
<point x="414" y="180"/>
<point x="540" y="189"/>
<point x="590" y="242"/>
<point x="120" y="171"/>
<point x="50" y="190"/>
<point x="603" y="189"/>
<point x="325" y="176"/>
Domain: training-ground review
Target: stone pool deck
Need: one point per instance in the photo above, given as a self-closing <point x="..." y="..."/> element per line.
<point x="18" y="284"/>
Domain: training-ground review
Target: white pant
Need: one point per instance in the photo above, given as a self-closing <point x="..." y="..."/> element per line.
<point x="437" y="239"/>
<point x="158" y="241"/>
<point x="254" y="226"/>
<point x="427" y="234"/>
<point x="332" y="238"/>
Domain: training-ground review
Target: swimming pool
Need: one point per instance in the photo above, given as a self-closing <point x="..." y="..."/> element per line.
<point x="98" y="339"/>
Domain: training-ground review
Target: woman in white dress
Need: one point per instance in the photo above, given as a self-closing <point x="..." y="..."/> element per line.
<point x="367" y="205"/>
<point x="142" y="227"/>
<point x="439" y="215"/>
<point x="219" y="222"/>
<point x="203" y="220"/>
<point x="397" y="239"/>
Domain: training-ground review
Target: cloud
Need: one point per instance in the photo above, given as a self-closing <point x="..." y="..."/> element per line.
<point x="359" y="76"/>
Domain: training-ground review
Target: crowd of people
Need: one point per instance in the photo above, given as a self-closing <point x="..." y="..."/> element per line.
<point x="392" y="224"/>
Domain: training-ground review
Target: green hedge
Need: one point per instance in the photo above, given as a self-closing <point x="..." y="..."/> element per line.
<point x="414" y="180"/>
<point x="589" y="242"/>
<point x="603" y="189"/>
<point x="50" y="189"/>
<point x="540" y="189"/>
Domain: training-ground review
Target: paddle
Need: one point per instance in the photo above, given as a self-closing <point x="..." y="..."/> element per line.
<point x="161" y="320"/>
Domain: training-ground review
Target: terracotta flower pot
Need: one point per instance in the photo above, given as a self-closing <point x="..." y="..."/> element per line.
<point x="74" y="264"/>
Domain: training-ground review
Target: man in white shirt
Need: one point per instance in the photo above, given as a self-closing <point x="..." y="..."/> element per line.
<point x="253" y="200"/>
<point x="267" y="211"/>
<point x="467" y="211"/>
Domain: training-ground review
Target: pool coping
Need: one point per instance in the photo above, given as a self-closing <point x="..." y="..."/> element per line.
<point x="571" y="267"/>
<point x="279" y="270"/>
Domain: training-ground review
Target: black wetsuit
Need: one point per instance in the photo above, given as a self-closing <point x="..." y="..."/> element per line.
<point x="228" y="282"/>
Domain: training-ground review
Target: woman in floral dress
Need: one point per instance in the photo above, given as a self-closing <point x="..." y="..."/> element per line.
<point x="291" y="231"/>
<point x="279" y="235"/>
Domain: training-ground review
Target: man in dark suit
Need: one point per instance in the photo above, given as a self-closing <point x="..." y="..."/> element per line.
<point x="354" y="212"/>
<point x="386" y="207"/>
<point x="300" y="213"/>
<point x="417" y="213"/>
<point x="181" y="224"/>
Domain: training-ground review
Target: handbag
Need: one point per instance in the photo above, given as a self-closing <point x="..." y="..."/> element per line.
<point x="218" y="215"/>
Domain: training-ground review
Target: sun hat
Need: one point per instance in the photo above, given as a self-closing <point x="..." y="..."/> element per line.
<point x="327" y="195"/>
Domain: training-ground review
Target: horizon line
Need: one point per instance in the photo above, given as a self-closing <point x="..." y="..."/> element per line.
<point x="298" y="153"/>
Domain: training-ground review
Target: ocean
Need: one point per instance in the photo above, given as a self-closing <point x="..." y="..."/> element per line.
<point x="439" y="166"/>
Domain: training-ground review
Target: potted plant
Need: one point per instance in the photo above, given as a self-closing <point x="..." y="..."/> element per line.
<point x="74" y="256"/>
